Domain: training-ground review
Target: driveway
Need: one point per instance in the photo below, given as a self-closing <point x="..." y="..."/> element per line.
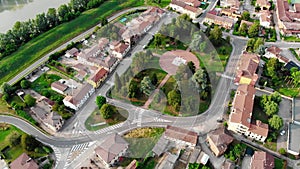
<point x="246" y="162"/>
<point x="285" y="111"/>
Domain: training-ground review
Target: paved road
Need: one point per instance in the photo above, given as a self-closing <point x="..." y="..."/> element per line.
<point x="42" y="60"/>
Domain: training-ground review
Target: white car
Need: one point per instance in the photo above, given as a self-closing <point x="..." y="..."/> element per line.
<point x="282" y="132"/>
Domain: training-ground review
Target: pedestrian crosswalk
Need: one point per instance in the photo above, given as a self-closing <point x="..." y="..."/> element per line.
<point x="157" y="119"/>
<point x="76" y="150"/>
<point x="108" y="129"/>
<point x="57" y="153"/>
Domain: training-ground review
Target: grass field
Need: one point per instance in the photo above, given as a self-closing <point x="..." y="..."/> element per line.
<point x="43" y="44"/>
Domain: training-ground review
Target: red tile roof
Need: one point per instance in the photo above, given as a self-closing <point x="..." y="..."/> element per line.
<point x="59" y="86"/>
<point x="23" y="162"/>
<point x="262" y="160"/>
<point x="243" y="105"/>
<point x="100" y="74"/>
<point x="181" y="134"/>
<point x="259" y="128"/>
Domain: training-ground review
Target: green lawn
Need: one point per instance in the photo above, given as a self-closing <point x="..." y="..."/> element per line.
<point x="42" y="85"/>
<point x="279" y="163"/>
<point x="96" y="118"/>
<point x="224" y="51"/>
<point x="258" y="113"/>
<point x="43" y="44"/>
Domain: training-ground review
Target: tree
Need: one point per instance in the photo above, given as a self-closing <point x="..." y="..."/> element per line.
<point x="157" y="40"/>
<point x="107" y="111"/>
<point x="276" y="97"/>
<point x="296" y="77"/>
<point x="282" y="151"/>
<point x="216" y="35"/>
<point x="146" y="86"/>
<point x="52" y="17"/>
<point x="200" y="78"/>
<point x="118" y="84"/>
<point x="272" y="67"/>
<point x="271" y="108"/>
<point x="5" y="97"/>
<point x="154" y="79"/>
<point x="174" y="99"/>
<point x="133" y="89"/>
<point x="202" y="46"/>
<point x="29" y="100"/>
<point x="245" y="16"/>
<point x="276" y="122"/>
<point x="253" y="30"/>
<point x="29" y="142"/>
<point x="25" y="84"/>
<point x="100" y="101"/>
<point x="192" y="66"/>
<point x="243" y="29"/>
<point x="6" y="88"/>
<point x="14" y="139"/>
<point x="259" y="42"/>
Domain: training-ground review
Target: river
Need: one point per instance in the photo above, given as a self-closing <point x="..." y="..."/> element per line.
<point x="12" y="11"/>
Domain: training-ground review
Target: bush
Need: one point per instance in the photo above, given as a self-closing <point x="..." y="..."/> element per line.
<point x="282" y="151"/>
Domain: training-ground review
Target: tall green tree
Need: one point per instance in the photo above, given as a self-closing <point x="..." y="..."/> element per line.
<point x="243" y="29"/>
<point x="118" y="83"/>
<point x="146" y="86"/>
<point x="100" y="101"/>
<point x="25" y="84"/>
<point x="216" y="36"/>
<point x="174" y="99"/>
<point x="154" y="79"/>
<point x="29" y="100"/>
<point x="271" y="108"/>
<point x="245" y="16"/>
<point x="254" y="30"/>
<point x="276" y="122"/>
<point x="107" y="111"/>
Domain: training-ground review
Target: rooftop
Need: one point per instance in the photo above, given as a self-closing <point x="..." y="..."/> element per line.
<point x="181" y="134"/>
<point x="111" y="147"/>
<point x="24" y="162"/>
<point x="261" y="159"/>
<point x="294" y="137"/>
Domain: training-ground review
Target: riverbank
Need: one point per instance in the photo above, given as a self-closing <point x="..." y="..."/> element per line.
<point x="45" y="43"/>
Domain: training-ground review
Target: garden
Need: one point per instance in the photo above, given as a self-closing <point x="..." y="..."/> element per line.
<point x="13" y="142"/>
<point x="279" y="78"/>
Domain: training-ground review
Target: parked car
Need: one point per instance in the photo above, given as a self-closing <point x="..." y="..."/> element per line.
<point x="282" y="132"/>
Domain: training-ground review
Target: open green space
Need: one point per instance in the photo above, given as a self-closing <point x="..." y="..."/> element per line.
<point x="224" y="51"/>
<point x="165" y="43"/>
<point x="292" y="92"/>
<point x="96" y="122"/>
<point x="11" y="65"/>
<point x="142" y="140"/>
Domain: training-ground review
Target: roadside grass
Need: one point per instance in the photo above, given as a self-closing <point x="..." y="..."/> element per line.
<point x="294" y="53"/>
<point x="162" y="4"/>
<point x="4" y="108"/>
<point x="96" y="118"/>
<point x="224" y="51"/>
<point x="271" y="145"/>
<point x="291" y="39"/>
<point x="11" y="65"/>
<point x="142" y="140"/>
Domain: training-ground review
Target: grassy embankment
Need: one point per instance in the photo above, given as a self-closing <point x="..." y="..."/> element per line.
<point x="52" y="39"/>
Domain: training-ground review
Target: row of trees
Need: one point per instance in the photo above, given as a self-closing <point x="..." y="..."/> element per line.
<point x="22" y="32"/>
